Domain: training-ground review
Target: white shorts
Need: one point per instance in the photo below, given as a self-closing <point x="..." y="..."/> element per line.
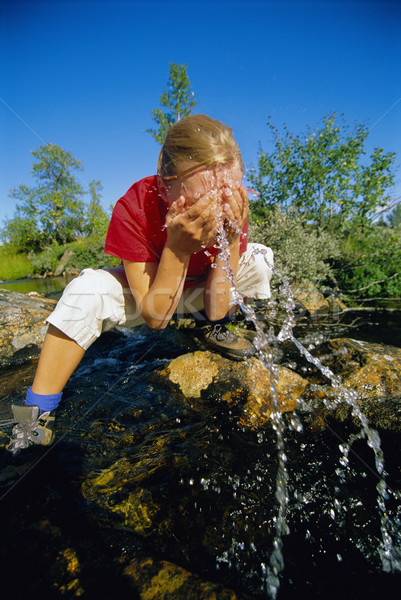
<point x="98" y="300"/>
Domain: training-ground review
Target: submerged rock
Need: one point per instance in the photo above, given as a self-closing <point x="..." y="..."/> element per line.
<point x="203" y="477"/>
<point x="22" y="326"/>
<point x="159" y="580"/>
<point x="246" y="385"/>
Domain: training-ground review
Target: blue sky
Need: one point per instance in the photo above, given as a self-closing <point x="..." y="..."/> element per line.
<point x="86" y="75"/>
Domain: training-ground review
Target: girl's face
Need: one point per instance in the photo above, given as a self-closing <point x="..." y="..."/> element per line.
<point x="205" y="181"/>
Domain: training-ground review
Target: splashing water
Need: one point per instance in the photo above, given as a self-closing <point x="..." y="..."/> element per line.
<point x="389" y="552"/>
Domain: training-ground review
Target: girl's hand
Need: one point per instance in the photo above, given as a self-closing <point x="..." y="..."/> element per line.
<point x="189" y="229"/>
<point x="236" y="208"/>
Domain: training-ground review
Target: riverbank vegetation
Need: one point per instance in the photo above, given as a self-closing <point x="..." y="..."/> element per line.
<point x="58" y="213"/>
<point x="13" y="265"/>
<point x="325" y="208"/>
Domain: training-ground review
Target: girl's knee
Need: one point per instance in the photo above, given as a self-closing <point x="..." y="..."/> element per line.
<point x="90" y="304"/>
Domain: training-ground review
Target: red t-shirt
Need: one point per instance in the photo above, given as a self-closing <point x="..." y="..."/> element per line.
<point x="137" y="230"/>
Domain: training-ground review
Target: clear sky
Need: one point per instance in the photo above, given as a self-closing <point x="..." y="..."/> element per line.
<point x="85" y="75"/>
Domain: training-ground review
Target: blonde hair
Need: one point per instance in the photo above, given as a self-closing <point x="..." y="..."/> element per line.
<point x="200" y="141"/>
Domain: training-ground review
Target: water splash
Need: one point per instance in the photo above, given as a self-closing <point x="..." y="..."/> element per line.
<point x="390" y="554"/>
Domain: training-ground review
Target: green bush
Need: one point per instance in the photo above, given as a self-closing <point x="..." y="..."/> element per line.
<point x="86" y="253"/>
<point x="90" y="253"/>
<point x="47" y="260"/>
<point x="299" y="251"/>
<point x="371" y="263"/>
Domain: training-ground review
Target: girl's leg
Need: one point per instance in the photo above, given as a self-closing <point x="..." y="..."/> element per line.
<point x="94" y="302"/>
<point x="59" y="358"/>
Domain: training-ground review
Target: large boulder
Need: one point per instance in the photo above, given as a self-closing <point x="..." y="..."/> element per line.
<point x="23" y="326"/>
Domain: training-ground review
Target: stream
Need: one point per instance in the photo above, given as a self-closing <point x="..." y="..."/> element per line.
<point x="52" y="287"/>
<point x="203" y="489"/>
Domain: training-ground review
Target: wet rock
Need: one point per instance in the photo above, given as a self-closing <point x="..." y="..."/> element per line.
<point x="245" y="385"/>
<point x="22" y="326"/>
<point x="118" y="490"/>
<point x="110" y="489"/>
<point x="373" y="371"/>
<point x="68" y="580"/>
<point x="153" y="494"/>
<point x="163" y="580"/>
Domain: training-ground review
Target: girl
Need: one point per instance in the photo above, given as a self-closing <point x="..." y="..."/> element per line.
<point x="164" y="230"/>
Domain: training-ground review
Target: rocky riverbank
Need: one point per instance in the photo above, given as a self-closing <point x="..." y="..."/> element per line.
<point x="161" y="484"/>
<point x="23" y="326"/>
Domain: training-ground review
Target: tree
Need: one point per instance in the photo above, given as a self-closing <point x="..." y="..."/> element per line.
<point x="52" y="210"/>
<point x="178" y="102"/>
<point x="22" y="233"/>
<point x="97" y="220"/>
<point x="320" y="175"/>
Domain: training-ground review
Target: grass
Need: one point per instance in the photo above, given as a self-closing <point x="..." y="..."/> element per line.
<point x="13" y="266"/>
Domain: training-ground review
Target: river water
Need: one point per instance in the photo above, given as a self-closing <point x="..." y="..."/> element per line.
<point x="50" y="286"/>
<point x="213" y="484"/>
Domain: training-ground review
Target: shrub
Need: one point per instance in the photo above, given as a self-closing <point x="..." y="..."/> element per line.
<point x="90" y="253"/>
<point x="86" y="253"/>
<point x="47" y="260"/>
<point x="299" y="251"/>
<point x="371" y="263"/>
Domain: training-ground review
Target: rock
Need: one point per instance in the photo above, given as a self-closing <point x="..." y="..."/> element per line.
<point x="373" y="371"/>
<point x="153" y="493"/>
<point x="22" y="326"/>
<point x="64" y="260"/>
<point x="135" y="508"/>
<point x="161" y="579"/>
<point x="309" y="297"/>
<point x="118" y="490"/>
<point x="245" y="385"/>
<point x="193" y="372"/>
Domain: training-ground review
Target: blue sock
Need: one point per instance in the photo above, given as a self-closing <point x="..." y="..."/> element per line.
<point x="45" y="402"/>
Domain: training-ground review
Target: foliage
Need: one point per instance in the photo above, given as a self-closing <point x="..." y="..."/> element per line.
<point x="13" y="266"/>
<point x="97" y="220"/>
<point x="370" y="266"/>
<point x="86" y="253"/>
<point x="54" y="205"/>
<point x="53" y="211"/>
<point x="21" y="234"/>
<point x="46" y="261"/>
<point x="320" y="175"/>
<point x="178" y="101"/>
<point x="90" y="253"/>
<point x="299" y="251"/>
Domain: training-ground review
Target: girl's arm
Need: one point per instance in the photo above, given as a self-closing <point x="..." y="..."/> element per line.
<point x="157" y="287"/>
